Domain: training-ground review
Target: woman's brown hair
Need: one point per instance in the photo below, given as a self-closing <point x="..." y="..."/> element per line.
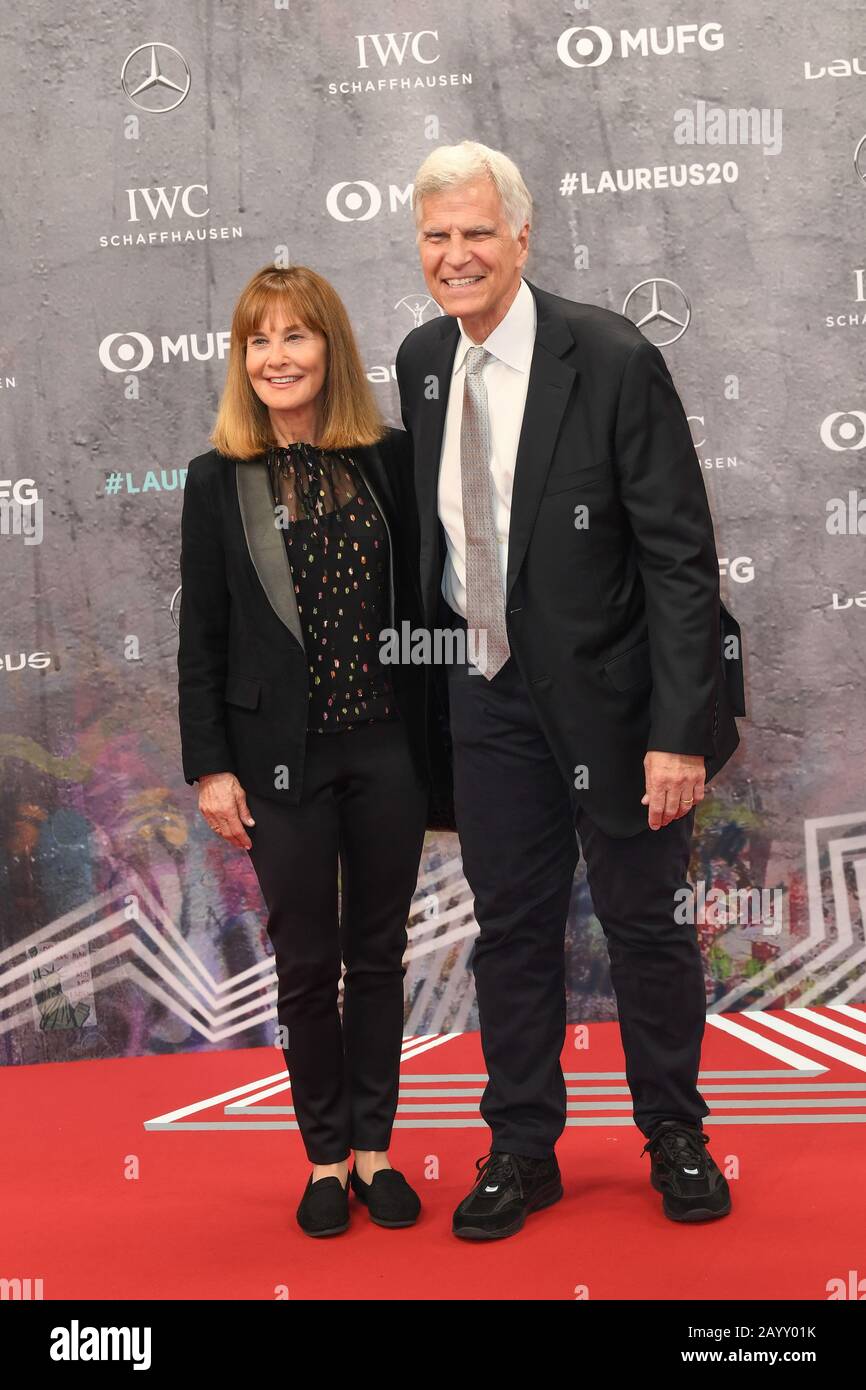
<point x="350" y="415"/>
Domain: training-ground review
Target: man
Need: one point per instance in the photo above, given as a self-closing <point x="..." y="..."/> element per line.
<point x="563" y="515"/>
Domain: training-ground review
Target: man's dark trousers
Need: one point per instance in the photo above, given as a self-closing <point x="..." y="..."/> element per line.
<point x="516" y="821"/>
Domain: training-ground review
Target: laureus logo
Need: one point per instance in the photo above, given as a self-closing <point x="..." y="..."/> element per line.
<point x="421" y="306"/>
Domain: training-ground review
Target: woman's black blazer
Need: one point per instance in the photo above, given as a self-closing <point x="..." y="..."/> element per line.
<point x="243" y="691"/>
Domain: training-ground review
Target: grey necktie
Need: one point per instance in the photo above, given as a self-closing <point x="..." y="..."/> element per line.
<point x="485" y="601"/>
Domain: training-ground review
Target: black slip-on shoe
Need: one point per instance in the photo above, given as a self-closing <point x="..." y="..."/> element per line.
<point x="509" y="1187"/>
<point x="684" y="1172"/>
<point x="388" y="1198"/>
<point x="324" y="1207"/>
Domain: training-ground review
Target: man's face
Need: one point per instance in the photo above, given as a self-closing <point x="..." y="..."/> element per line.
<point x="471" y="262"/>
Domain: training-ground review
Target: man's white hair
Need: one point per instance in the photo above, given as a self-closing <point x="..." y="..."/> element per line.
<point x="451" y="165"/>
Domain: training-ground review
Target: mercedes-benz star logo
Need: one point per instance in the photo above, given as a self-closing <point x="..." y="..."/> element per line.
<point x="146" y="75"/>
<point x="643" y="305"/>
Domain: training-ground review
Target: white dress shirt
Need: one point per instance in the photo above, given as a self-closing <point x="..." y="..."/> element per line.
<point x="506" y="376"/>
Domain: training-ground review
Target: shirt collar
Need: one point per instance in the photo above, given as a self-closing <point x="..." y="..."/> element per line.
<point x="512" y="340"/>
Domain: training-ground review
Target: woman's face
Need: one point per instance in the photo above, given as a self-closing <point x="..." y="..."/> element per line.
<point x="286" y="362"/>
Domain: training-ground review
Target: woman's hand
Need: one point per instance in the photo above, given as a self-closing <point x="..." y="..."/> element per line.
<point x="223" y="803"/>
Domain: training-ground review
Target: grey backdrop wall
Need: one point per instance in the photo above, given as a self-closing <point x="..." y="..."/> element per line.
<point x="700" y="168"/>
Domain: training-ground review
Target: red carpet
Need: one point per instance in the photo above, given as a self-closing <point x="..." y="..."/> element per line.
<point x="99" y="1207"/>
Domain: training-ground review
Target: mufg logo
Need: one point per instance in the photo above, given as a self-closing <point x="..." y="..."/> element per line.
<point x="359" y="201"/>
<point x="133" y="352"/>
<point x="589" y="46"/>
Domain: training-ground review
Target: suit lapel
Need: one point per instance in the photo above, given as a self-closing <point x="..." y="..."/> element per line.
<point x="265" y="542"/>
<point x="371" y="466"/>
<point x="550" y="384"/>
<point x="428" y="453"/>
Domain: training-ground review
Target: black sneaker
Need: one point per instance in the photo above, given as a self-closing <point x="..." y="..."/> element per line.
<point x="685" y="1173"/>
<point x="388" y="1198"/>
<point x="324" y="1207"/>
<point x="509" y="1187"/>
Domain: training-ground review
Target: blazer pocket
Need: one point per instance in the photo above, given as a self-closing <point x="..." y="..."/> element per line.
<point x="575" y="477"/>
<point x="629" y="668"/>
<point x="243" y="691"/>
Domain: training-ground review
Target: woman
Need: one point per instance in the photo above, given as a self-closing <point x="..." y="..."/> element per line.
<point x="296" y="534"/>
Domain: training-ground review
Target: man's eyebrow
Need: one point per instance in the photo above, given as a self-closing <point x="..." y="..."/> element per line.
<point x="478" y="227"/>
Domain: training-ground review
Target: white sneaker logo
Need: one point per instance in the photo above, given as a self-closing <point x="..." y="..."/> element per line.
<point x="492" y="1189"/>
<point x="692" y="1172"/>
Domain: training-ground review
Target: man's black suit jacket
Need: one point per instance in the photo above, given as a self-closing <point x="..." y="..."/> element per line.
<point x="616" y="625"/>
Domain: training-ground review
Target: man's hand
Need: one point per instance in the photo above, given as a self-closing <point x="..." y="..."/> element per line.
<point x="223" y="803"/>
<point x="674" y="784"/>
